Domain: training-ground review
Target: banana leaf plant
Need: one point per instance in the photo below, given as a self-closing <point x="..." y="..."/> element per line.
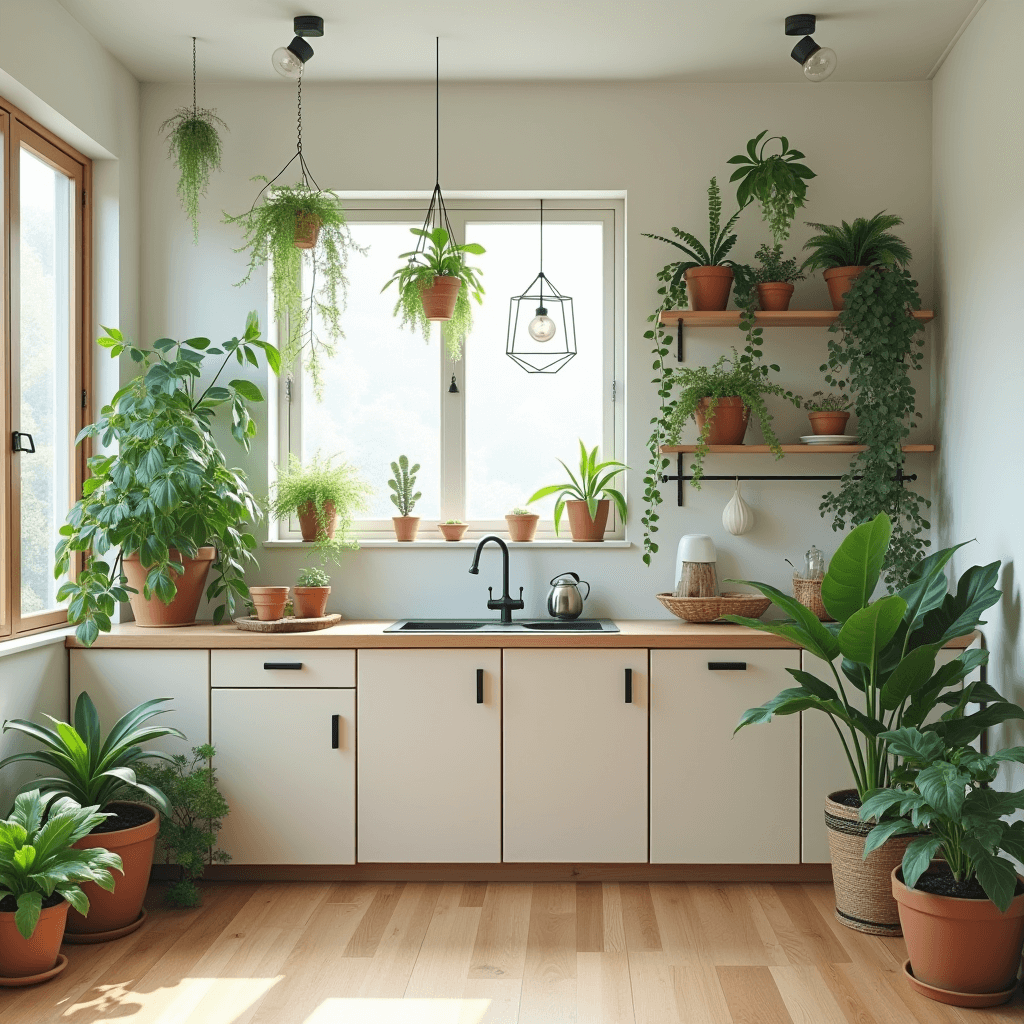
<point x="888" y="650"/>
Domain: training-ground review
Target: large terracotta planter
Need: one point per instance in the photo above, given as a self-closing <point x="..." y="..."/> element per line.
<point x="309" y="524"/>
<point x="121" y="909"/>
<point x="310" y="602"/>
<point x="406" y="527"/>
<point x="729" y="424"/>
<point x="839" y="281"/>
<point x="28" y="958"/>
<point x="774" y="295"/>
<point x="960" y="946"/>
<point x="182" y="609"/>
<point x="268" y="602"/>
<point x="522" y="528"/>
<point x="307" y="230"/>
<point x="453" y="531"/>
<point x="707" y="288"/>
<point x="582" y="526"/>
<point x="828" y="422"/>
<point x="439" y="298"/>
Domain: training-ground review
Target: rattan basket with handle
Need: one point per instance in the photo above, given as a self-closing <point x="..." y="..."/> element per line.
<point x="808" y="593"/>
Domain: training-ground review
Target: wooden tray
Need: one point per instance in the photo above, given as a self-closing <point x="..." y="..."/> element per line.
<point x="288" y="625"/>
<point x="710" y="609"/>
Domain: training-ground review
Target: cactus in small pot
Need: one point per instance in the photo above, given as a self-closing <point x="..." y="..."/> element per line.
<point x="403" y="486"/>
<point x="453" y="529"/>
<point x="522" y="524"/>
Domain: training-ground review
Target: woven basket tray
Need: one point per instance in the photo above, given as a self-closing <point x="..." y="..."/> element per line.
<point x="710" y="609"/>
<point x="288" y="625"/>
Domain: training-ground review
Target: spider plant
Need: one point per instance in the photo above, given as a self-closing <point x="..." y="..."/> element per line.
<point x="867" y="242"/>
<point x="194" y="145"/>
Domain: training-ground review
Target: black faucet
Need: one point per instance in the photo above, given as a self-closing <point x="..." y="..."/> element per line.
<point x="506" y="602"/>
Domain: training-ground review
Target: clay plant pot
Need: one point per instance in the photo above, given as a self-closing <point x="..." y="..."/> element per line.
<point x="582" y="526"/>
<point x="864" y="900"/>
<point x="307" y="230"/>
<point x="839" y="280"/>
<point x="729" y="425"/>
<point x="453" y="531"/>
<point x="439" y="298"/>
<point x="828" y="422"/>
<point x="961" y="946"/>
<point x="707" y="288"/>
<point x="27" y="959"/>
<point x="113" y="914"/>
<point x="182" y="610"/>
<point x="310" y="602"/>
<point x="309" y="525"/>
<point x="406" y="527"/>
<point x="774" y="295"/>
<point x="269" y="602"/>
<point x="522" y="528"/>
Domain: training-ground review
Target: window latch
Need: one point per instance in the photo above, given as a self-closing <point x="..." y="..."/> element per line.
<point x="18" y="440"/>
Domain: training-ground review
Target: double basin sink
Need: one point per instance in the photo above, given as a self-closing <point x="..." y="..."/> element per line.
<point x="497" y="626"/>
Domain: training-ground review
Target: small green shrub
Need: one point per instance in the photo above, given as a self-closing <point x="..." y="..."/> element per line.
<point x="313" y="576"/>
<point x="820" y="402"/>
<point x="773" y="268"/>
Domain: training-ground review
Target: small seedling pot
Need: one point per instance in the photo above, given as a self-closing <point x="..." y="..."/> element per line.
<point x="453" y="531"/>
<point x="269" y="602"/>
<point x="310" y="602"/>
<point x="522" y="528"/>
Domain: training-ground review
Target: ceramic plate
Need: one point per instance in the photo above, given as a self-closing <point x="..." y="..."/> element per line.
<point x="829" y="439"/>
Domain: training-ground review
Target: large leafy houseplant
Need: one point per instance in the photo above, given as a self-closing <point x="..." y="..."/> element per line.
<point x="167" y="490"/>
<point x="867" y="242"/>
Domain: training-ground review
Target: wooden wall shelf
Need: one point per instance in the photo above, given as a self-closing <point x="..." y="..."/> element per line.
<point x="766" y="318"/>
<point x="789" y="449"/>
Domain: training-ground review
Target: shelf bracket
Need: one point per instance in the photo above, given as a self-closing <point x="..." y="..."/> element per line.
<point x="679" y="339"/>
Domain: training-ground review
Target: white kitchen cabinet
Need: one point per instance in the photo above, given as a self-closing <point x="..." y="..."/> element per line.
<point x="718" y="798"/>
<point x="286" y="766"/>
<point x="429" y="756"/>
<point x="575" y="755"/>
<point x="300" y="667"/>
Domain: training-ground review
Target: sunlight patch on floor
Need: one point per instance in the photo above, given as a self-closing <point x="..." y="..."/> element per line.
<point x="399" y="1011"/>
<point x="219" y="999"/>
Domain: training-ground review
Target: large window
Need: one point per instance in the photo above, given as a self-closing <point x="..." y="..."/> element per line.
<point x="42" y="400"/>
<point x="488" y="447"/>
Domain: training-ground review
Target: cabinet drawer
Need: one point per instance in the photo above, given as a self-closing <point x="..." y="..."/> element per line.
<point x="298" y="667"/>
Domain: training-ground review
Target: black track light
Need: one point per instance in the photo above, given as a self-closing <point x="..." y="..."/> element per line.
<point x="818" y="62"/>
<point x="288" y="60"/>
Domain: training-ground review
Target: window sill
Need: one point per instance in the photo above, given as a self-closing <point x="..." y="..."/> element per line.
<point x="17" y="644"/>
<point x="544" y="545"/>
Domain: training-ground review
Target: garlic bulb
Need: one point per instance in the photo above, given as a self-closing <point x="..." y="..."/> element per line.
<point x="738" y="516"/>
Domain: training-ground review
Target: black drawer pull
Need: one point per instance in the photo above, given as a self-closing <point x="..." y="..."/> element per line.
<point x="335" y="731"/>
<point x="727" y="666"/>
<point x="629" y="686"/>
<point x="294" y="666"/>
<point x="479" y="686"/>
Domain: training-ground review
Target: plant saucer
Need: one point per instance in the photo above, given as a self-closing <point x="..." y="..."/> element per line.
<point x="829" y="439"/>
<point x="35" y="979"/>
<point x="90" y="938"/>
<point x="971" y="1000"/>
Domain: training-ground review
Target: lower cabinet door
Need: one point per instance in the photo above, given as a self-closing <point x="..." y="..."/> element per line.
<point x="718" y="798"/>
<point x="287" y="770"/>
<point x="430" y="756"/>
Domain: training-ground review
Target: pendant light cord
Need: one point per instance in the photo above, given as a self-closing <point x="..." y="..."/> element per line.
<point x="195" y="108"/>
<point x="298" y="123"/>
<point x="540" y="276"/>
<point x="437" y="110"/>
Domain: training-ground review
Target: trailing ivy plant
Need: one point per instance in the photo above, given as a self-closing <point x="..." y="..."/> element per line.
<point x="875" y="343"/>
<point x="194" y="145"/>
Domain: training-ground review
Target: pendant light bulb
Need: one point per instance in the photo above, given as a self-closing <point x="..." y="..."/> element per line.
<point x="542" y="328"/>
<point x="820" y="64"/>
<point x="289" y="60"/>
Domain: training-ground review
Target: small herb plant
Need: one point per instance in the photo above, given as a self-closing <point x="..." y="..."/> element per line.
<point x="820" y="402"/>
<point x="188" y="834"/>
<point x="442" y="257"/>
<point x="520" y="512"/>
<point x="590" y="487"/>
<point x="867" y="242"/>
<point x="38" y="860"/>
<point x="402" y="484"/>
<point x="454" y="522"/>
<point x="194" y="145"/>
<point x="313" y="576"/>
<point x="773" y="268"/>
<point x="777" y="182"/>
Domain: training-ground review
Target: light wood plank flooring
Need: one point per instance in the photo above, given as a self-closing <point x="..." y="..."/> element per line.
<point x="453" y="953"/>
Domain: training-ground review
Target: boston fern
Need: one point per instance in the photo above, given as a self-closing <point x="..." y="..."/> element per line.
<point x="867" y="242"/>
<point x="168" y="485"/>
<point x="195" y="147"/>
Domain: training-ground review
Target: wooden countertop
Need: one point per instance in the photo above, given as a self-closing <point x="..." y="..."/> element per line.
<point x="653" y="633"/>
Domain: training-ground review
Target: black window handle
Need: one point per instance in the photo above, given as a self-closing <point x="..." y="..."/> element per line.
<point x="727" y="666"/>
<point x="294" y="666"/>
<point x="335" y="731"/>
<point x="479" y="686"/>
<point x="629" y="686"/>
<point x="17" y="442"/>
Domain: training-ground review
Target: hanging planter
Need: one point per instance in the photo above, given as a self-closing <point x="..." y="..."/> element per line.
<point x="307" y="229"/>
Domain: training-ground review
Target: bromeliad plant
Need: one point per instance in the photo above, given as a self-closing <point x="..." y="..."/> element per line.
<point x="402" y="485"/>
<point x="168" y="485"/>
<point x="590" y="487"/>
<point x="867" y="242"/>
<point x="38" y="860"/>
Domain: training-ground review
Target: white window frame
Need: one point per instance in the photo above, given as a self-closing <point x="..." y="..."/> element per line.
<point x="608" y="208"/>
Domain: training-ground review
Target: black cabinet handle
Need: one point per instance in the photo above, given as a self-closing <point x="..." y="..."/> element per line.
<point x="335" y="731"/>
<point x="294" y="666"/>
<point x="629" y="686"/>
<point x="727" y="666"/>
<point x="18" y="439"/>
<point x="479" y="686"/>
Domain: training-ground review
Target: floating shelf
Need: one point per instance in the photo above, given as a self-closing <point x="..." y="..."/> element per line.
<point x="766" y="318"/>
<point x="788" y="449"/>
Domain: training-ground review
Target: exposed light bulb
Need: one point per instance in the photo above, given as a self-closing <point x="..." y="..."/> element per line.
<point x="542" y="327"/>
<point x="820" y="64"/>
<point x="286" y="63"/>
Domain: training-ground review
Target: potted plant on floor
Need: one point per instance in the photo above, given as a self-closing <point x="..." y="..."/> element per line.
<point x="166" y="501"/>
<point x="961" y="901"/>
<point x="40" y="879"/>
<point x="522" y="524"/>
<point x="435" y="285"/>
<point x="403" y="484"/>
<point x="311" y="592"/>
<point x="888" y="649"/>
<point x="828" y="413"/>
<point x="775" y="277"/>
<point x="452" y="529"/>
<point x="586" y="500"/>
<point x="844" y="252"/>
<point x="705" y="277"/>
<point x="97" y="770"/>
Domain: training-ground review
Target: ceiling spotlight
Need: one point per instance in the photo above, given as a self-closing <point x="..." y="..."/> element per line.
<point x="289" y="60"/>
<point x="818" y="62"/>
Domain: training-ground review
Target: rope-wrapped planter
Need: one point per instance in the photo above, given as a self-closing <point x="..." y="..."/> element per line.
<point x="808" y="593"/>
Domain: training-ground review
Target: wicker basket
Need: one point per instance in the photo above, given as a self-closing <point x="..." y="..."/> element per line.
<point x="808" y="593"/>
<point x="708" y="609"/>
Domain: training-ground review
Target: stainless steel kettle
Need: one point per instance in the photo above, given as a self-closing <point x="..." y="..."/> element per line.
<point x="564" y="598"/>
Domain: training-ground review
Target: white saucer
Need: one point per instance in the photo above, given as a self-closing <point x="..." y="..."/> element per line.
<point x="829" y="439"/>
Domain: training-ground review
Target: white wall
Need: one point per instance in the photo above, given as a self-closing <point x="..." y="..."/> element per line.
<point x="869" y="143"/>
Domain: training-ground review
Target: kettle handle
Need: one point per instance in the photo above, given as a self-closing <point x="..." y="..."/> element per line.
<point x="576" y="578"/>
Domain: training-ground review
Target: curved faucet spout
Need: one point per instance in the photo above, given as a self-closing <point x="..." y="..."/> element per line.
<point x="506" y="602"/>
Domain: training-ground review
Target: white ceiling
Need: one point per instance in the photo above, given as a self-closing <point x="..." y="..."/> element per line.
<point x="393" y="40"/>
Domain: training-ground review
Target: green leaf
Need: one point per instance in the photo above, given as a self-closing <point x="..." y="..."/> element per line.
<point x="30" y="904"/>
<point x="959" y="614"/>
<point x="913" y="672"/>
<point x="912" y="744"/>
<point x="866" y="631"/>
<point x="943" y="785"/>
<point x="917" y="857"/>
<point x="853" y="573"/>
<point x="247" y="390"/>
<point x="998" y="876"/>
<point x="884" y="831"/>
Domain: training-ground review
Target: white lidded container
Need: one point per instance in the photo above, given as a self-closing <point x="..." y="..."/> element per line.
<point x="696" y="567"/>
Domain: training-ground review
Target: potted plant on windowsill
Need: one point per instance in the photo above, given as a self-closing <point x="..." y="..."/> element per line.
<point x="775" y="277"/>
<point x="452" y="529"/>
<point x="586" y="500"/>
<point x="311" y="592"/>
<point x="828" y="413"/>
<point x="93" y="769"/>
<point x="403" y="484"/>
<point x="522" y="524"/>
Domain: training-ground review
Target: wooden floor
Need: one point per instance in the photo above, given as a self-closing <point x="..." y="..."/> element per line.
<point x="433" y="953"/>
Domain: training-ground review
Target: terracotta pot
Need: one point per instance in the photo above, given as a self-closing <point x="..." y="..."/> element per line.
<point x="729" y="425"/>
<point x="958" y="945"/>
<point x="828" y="422"/>
<point x="269" y="602"/>
<point x="522" y="528"/>
<point x="25" y="958"/>
<point x="439" y="298"/>
<point x="774" y="295"/>
<point x="406" y="527"/>
<point x="307" y="230"/>
<point x="112" y="911"/>
<point x="582" y="526"/>
<point x="309" y="525"/>
<point x="310" y="602"/>
<point x="453" y="531"/>
<point x="839" y="280"/>
<point x="185" y="603"/>
<point x="707" y="288"/>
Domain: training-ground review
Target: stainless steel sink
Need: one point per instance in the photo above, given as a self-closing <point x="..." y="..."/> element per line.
<point x="496" y="626"/>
